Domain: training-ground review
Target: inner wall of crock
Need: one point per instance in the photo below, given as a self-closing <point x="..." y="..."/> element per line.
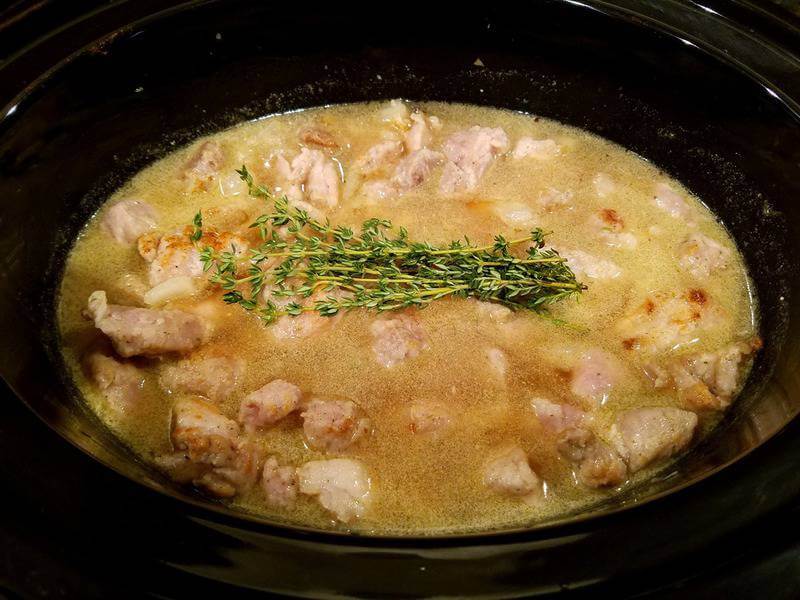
<point x="135" y="97"/>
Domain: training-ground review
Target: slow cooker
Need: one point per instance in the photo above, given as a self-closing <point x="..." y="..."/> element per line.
<point x="708" y="91"/>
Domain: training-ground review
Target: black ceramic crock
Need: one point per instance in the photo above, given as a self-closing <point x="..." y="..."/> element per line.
<point x="712" y="102"/>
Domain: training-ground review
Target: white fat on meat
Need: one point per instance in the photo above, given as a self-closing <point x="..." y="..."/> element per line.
<point x="511" y="474"/>
<point x="701" y="256"/>
<point x="128" y="219"/>
<point x="668" y="321"/>
<point x="203" y="166"/>
<point x="341" y="485"/>
<point x="517" y="215"/>
<point x="269" y="404"/>
<point x="397" y="338"/>
<point x="214" y="377"/>
<point x="333" y="425"/>
<point x="645" y="435"/>
<point x="469" y="153"/>
<point x="145" y="331"/>
<point x="279" y="483"/>
<point x="585" y="264"/>
<point x="528" y="147"/>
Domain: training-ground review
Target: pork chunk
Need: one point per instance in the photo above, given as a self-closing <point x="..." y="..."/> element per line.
<point x="671" y="202"/>
<point x="128" y="219"/>
<point x="428" y="417"/>
<point x="201" y="431"/>
<point x="594" y="376"/>
<point x="511" y="474"/>
<point x="214" y="377"/>
<point x="203" y="166"/>
<point x="701" y="256"/>
<point x="397" y="338"/>
<point x="705" y="380"/>
<point x="311" y="176"/>
<point x="469" y="153"/>
<point x="557" y="418"/>
<point x="644" y="435"/>
<point x="178" y="256"/>
<point x="598" y="465"/>
<point x="379" y="157"/>
<point x="145" y="331"/>
<point x="604" y="185"/>
<point x="585" y="264"/>
<point x="415" y="168"/>
<point x="341" y="485"/>
<point x="279" y="483"/>
<point x="269" y="404"/>
<point x="538" y="149"/>
<point x="668" y="321"/>
<point x="333" y="425"/>
<point x="120" y="383"/>
<point x="421" y="132"/>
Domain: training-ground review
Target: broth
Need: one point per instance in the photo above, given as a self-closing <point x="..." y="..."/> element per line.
<point x="483" y="418"/>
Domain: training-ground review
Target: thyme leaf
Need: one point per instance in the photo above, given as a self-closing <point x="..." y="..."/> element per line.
<point x="306" y="265"/>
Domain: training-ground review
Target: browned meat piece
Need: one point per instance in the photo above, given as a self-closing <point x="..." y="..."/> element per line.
<point x="144" y="331"/>
<point x="204" y="433"/>
<point x="269" y="404"/>
<point x="279" y="483"/>
<point x="705" y="380"/>
<point x="333" y="425"/>
<point x="511" y="474"/>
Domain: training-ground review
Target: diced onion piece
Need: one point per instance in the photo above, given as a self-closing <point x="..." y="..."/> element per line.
<point x="172" y="288"/>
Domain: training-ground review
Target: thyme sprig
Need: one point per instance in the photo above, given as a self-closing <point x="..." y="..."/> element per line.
<point x="307" y="265"/>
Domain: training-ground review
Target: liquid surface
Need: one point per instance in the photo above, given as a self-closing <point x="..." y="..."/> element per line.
<point x="667" y="299"/>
